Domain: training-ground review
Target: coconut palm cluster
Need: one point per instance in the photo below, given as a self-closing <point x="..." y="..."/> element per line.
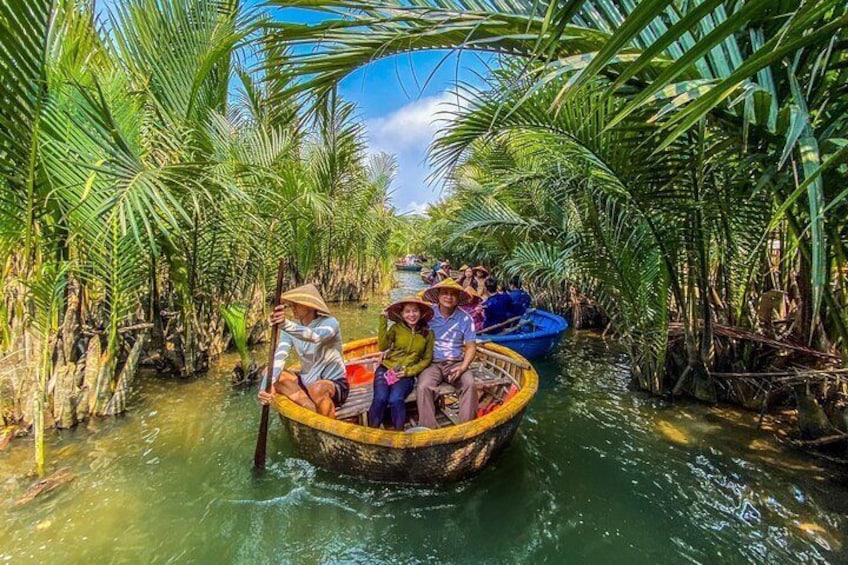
<point x="152" y="177"/>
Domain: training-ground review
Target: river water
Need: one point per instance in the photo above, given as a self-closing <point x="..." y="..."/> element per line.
<point x="597" y="473"/>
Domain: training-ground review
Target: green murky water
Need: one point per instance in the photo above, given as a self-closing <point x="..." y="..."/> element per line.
<point x="596" y="474"/>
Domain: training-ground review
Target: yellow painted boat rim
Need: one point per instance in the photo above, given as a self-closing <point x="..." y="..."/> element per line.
<point x="419" y="438"/>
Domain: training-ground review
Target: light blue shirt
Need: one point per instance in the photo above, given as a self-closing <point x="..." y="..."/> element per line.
<point x="319" y="347"/>
<point x="451" y="334"/>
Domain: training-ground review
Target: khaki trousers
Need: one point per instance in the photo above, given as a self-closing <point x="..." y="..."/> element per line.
<point x="428" y="387"/>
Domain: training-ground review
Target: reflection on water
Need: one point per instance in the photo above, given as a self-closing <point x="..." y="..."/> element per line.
<point x="597" y="473"/>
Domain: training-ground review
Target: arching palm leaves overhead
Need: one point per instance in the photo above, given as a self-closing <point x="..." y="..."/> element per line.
<point x="648" y="150"/>
<point x="757" y="66"/>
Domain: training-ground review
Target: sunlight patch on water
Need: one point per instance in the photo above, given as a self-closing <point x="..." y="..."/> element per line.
<point x="672" y="433"/>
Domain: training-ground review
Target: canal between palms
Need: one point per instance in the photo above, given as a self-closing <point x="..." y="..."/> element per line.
<point x="597" y="473"/>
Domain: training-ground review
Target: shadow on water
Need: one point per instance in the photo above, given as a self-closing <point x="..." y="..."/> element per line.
<point x="597" y="473"/>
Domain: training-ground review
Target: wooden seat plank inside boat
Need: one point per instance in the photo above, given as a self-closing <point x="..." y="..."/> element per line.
<point x="360" y="396"/>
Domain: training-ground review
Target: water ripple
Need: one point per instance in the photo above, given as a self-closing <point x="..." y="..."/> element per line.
<point x="597" y="473"/>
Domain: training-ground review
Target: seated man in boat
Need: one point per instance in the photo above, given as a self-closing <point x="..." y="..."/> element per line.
<point x="434" y="277"/>
<point x="322" y="384"/>
<point x="498" y="306"/>
<point x="453" y="351"/>
<point x="520" y="298"/>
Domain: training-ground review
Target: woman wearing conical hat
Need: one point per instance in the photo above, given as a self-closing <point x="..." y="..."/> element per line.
<point x="481" y="273"/>
<point x="409" y="350"/>
<point x="474" y="308"/>
<point x="316" y="337"/>
<point x="466" y="278"/>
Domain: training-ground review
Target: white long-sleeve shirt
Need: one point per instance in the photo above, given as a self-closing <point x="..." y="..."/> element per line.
<point x="318" y="345"/>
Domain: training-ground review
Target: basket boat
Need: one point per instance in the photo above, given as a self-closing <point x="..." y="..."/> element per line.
<point x="534" y="339"/>
<point x="449" y="453"/>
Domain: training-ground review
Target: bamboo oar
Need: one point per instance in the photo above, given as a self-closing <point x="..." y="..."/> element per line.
<point x="262" y="440"/>
<point x="506" y="322"/>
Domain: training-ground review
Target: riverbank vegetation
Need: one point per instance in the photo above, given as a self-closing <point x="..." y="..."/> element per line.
<point x="150" y="179"/>
<point x="682" y="163"/>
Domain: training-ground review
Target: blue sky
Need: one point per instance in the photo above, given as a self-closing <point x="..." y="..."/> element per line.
<point x="399" y="98"/>
<point x="402" y="118"/>
<point x="399" y="112"/>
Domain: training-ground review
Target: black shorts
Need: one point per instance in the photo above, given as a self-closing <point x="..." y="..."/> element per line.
<point x="342" y="388"/>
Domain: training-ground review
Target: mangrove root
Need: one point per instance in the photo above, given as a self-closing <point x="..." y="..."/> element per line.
<point x="44" y="486"/>
<point x="118" y="403"/>
<point x="812" y="421"/>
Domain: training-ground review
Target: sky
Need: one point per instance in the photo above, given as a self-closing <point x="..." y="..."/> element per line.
<point x="402" y="100"/>
<point x="402" y="119"/>
<point x="399" y="99"/>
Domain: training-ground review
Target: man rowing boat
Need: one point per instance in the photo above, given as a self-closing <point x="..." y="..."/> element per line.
<point x="321" y="385"/>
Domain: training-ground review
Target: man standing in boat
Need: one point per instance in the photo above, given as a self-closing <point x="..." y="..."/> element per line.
<point x="453" y="352"/>
<point x="321" y="385"/>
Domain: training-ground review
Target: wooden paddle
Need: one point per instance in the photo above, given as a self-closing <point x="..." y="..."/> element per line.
<point x="262" y="440"/>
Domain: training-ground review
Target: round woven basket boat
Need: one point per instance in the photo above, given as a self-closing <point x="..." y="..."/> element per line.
<point x="446" y="454"/>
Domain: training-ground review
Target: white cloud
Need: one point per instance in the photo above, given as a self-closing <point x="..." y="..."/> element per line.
<point x="416" y="208"/>
<point x="406" y="133"/>
<point x="410" y="127"/>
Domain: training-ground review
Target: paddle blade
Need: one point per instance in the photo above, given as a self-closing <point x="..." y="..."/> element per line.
<point x="261" y="441"/>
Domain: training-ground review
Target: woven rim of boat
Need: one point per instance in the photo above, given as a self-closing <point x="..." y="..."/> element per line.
<point x="412" y="440"/>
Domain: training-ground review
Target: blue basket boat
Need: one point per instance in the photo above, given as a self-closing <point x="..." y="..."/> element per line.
<point x="538" y="334"/>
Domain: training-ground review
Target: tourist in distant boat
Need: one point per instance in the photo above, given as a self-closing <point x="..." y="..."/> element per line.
<point x="322" y="383"/>
<point x="453" y="352"/>
<point x="466" y="279"/>
<point x="480" y="276"/>
<point x="446" y="267"/>
<point x="475" y="309"/>
<point x="434" y="276"/>
<point x="520" y="299"/>
<point x="409" y="350"/>
<point x="498" y="306"/>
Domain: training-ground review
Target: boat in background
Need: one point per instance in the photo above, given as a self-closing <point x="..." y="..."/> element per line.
<point x="535" y="335"/>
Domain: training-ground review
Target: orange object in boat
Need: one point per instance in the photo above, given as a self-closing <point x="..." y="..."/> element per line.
<point x="358" y="374"/>
<point x="491" y="407"/>
<point x="513" y="390"/>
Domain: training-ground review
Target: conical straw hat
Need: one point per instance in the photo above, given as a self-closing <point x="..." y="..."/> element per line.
<point x="395" y="310"/>
<point x="475" y="298"/>
<point x="432" y="293"/>
<point x="307" y="295"/>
